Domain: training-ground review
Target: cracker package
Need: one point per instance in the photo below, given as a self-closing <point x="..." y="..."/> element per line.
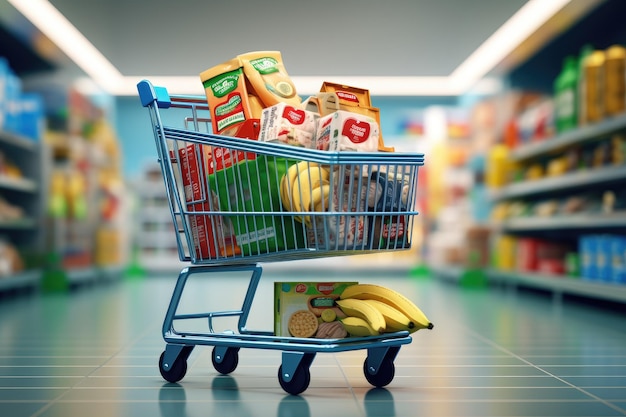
<point x="308" y="309"/>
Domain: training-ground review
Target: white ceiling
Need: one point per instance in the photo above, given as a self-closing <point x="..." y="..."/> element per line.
<point x="339" y="37"/>
<point x="362" y="38"/>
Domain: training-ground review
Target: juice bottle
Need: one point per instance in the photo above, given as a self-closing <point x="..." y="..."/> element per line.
<point x="615" y="80"/>
<point x="565" y="91"/>
<point x="592" y="88"/>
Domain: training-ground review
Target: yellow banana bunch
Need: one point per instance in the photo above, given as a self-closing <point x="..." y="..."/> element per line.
<point x="399" y="313"/>
<point x="358" y="327"/>
<point x="363" y="310"/>
<point x="304" y="188"/>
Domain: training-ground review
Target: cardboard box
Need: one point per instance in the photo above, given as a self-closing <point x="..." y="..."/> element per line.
<point x="347" y="131"/>
<point x="210" y="233"/>
<point x="287" y="124"/>
<point x="305" y="301"/>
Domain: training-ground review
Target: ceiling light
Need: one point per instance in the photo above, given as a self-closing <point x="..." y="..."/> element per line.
<point x="512" y="33"/>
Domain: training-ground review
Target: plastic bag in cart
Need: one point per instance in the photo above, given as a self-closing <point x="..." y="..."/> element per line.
<point x="254" y="186"/>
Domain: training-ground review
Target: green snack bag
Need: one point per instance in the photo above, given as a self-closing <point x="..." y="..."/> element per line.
<point x="254" y="186"/>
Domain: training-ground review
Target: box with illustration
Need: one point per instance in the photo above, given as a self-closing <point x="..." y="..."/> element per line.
<point x="308" y="309"/>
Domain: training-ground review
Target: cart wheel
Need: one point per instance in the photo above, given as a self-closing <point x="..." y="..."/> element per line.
<point x="229" y="361"/>
<point x="176" y="372"/>
<point x="384" y="375"/>
<point x="299" y="381"/>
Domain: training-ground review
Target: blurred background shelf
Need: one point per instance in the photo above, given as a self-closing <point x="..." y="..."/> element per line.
<point x="578" y="136"/>
<point x="560" y="284"/>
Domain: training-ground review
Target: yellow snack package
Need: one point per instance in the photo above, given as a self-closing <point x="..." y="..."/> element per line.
<point x="268" y="77"/>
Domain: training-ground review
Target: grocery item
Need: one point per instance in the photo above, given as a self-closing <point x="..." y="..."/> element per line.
<point x="254" y="186"/>
<point x="268" y="77"/>
<point x="347" y="131"/>
<point x="566" y="96"/>
<point x="227" y="96"/>
<point x="305" y="187"/>
<point x="592" y="88"/>
<point x="290" y="125"/>
<point x="322" y="103"/>
<point x="299" y="307"/>
<point x="392" y="298"/>
<point x="360" y="308"/>
<point x="388" y="192"/>
<point x="348" y="96"/>
<point x="615" y="80"/>
<point x="356" y="100"/>
<point x="210" y="234"/>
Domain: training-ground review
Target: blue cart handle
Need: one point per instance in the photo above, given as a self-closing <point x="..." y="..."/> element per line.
<point x="149" y="94"/>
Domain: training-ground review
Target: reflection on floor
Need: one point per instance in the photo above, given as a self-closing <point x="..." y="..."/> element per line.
<point x="493" y="352"/>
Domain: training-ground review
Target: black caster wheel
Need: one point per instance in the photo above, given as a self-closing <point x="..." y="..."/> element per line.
<point x="176" y="371"/>
<point x="299" y="381"/>
<point x="384" y="375"/>
<point x="229" y="361"/>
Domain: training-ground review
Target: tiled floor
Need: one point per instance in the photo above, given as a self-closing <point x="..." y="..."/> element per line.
<point x="493" y="352"/>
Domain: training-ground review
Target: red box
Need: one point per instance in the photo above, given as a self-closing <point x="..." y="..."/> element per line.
<point x="194" y="164"/>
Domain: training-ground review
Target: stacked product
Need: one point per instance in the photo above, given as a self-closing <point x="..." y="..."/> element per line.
<point x="253" y="97"/>
<point x="334" y="310"/>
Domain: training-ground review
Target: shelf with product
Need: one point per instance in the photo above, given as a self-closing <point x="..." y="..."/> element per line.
<point x="86" y="220"/>
<point x="21" y="201"/>
<point x="154" y="241"/>
<point x="559" y="214"/>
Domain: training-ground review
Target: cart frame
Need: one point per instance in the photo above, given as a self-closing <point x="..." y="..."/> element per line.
<point x="297" y="353"/>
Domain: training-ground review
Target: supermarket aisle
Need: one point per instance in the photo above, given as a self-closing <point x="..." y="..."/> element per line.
<point x="492" y="353"/>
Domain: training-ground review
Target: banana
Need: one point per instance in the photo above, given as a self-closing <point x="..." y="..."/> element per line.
<point x="391" y="297"/>
<point x="356" y="326"/>
<point x="318" y="201"/>
<point x="395" y="320"/>
<point x="365" y="311"/>
<point x="306" y="181"/>
<point x="287" y="182"/>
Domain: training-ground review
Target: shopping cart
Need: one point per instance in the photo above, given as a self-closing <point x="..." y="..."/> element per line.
<point x="234" y="205"/>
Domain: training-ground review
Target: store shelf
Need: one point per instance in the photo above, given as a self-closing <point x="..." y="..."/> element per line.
<point x="17" y="184"/>
<point x="567" y="182"/>
<point x="18" y="141"/>
<point x="22" y="280"/>
<point x="561" y="284"/>
<point x="571" y="222"/>
<point x="18" y="224"/>
<point x="565" y="140"/>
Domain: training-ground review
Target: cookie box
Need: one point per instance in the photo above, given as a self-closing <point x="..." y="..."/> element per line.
<point x="304" y="309"/>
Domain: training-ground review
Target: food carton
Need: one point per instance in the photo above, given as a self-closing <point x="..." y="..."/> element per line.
<point x="300" y="308"/>
<point x="347" y="131"/>
<point x="209" y="233"/>
<point x="287" y="124"/>
<point x="356" y="100"/>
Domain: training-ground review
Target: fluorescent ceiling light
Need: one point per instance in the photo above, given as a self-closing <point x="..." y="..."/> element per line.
<point x="513" y="32"/>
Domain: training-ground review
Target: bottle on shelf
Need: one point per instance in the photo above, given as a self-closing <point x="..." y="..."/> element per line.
<point x="566" y="94"/>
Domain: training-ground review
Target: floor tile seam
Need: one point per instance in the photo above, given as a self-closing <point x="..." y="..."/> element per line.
<point x="346" y="380"/>
<point x="503" y="349"/>
<point x="58" y="398"/>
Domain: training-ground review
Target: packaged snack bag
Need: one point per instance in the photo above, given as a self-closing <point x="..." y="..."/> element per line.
<point x="227" y="96"/>
<point x="268" y="77"/>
